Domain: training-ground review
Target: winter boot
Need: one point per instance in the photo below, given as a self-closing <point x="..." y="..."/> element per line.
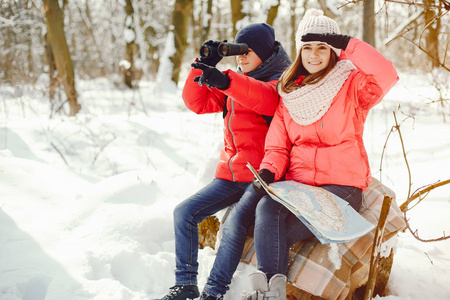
<point x="277" y="287"/>
<point x="182" y="292"/>
<point x="208" y="297"/>
<point x="258" y="285"/>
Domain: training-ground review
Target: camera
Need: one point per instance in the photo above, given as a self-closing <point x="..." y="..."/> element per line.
<point x="224" y="49"/>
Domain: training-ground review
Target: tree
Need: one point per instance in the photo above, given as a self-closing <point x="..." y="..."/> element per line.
<point x="129" y="68"/>
<point x="91" y="41"/>
<point x="432" y="26"/>
<point x="21" y="41"/>
<point x="272" y="14"/>
<point x="206" y="24"/>
<point x="423" y="29"/>
<point x="369" y="22"/>
<point x="60" y="50"/>
<point x="51" y="69"/>
<point x="324" y="5"/>
<point x="293" y="20"/>
<point x="236" y="14"/>
<point x="180" y="18"/>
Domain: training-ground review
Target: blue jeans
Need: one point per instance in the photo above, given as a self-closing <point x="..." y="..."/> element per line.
<point x="216" y="196"/>
<point x="277" y="229"/>
<point x="235" y="229"/>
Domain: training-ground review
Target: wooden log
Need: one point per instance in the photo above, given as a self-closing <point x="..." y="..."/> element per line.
<point x="207" y="232"/>
<point x="209" y="227"/>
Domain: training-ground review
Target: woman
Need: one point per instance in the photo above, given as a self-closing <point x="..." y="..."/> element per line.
<point x="316" y="136"/>
<point x="247" y="99"/>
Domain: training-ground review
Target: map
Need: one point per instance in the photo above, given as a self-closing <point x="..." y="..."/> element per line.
<point x="330" y="218"/>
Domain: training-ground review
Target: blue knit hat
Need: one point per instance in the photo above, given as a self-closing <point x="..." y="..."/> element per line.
<point x="260" y="37"/>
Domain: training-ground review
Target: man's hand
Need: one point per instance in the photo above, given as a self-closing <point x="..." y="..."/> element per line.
<point x="214" y="58"/>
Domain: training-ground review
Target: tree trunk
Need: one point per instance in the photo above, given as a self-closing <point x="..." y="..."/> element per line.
<point x="180" y="18"/>
<point x="432" y="34"/>
<point x="207" y="27"/>
<point x="58" y="43"/>
<point x="369" y="22"/>
<point x="197" y="28"/>
<point x="326" y="10"/>
<point x="273" y="11"/>
<point x="51" y="68"/>
<point x="236" y="14"/>
<point x="294" y="30"/>
<point x="129" y="70"/>
<point x="88" y="22"/>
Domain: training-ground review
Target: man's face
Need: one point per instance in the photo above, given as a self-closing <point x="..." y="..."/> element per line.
<point x="249" y="61"/>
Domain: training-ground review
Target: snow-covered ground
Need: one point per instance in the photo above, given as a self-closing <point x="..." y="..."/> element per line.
<point x="86" y="202"/>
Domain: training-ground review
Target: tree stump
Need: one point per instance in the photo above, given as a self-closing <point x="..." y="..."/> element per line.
<point x="382" y="279"/>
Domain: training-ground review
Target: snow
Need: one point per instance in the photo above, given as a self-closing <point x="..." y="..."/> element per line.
<point x="86" y="206"/>
<point x="129" y="35"/>
<point x="334" y="256"/>
<point x="163" y="78"/>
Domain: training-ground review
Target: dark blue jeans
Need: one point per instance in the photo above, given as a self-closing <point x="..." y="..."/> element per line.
<point x="235" y="229"/>
<point x="277" y="229"/>
<point x="214" y="197"/>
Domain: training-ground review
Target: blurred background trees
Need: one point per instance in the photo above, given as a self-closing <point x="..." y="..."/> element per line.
<point x="126" y="41"/>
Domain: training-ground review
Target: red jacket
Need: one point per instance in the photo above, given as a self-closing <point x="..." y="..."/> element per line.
<point x="331" y="150"/>
<point x="244" y="127"/>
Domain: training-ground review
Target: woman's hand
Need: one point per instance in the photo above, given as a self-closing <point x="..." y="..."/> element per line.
<point x="267" y="176"/>
<point x="339" y="41"/>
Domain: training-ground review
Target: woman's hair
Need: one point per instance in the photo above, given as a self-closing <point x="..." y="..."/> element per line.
<point x="287" y="80"/>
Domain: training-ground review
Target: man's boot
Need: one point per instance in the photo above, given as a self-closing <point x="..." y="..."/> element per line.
<point x="182" y="292"/>
<point x="209" y="297"/>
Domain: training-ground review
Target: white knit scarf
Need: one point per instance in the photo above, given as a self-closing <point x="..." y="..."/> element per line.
<point x="309" y="103"/>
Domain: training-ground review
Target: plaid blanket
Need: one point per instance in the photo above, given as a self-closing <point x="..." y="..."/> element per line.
<point x="311" y="268"/>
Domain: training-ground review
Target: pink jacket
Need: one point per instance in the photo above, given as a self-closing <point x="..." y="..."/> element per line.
<point x="331" y="150"/>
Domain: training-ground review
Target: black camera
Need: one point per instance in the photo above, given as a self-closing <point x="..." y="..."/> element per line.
<point x="224" y="49"/>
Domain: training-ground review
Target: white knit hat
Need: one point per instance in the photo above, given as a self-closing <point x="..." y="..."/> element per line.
<point x="315" y="22"/>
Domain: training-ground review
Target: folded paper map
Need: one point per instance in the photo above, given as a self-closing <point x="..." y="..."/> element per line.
<point x="329" y="217"/>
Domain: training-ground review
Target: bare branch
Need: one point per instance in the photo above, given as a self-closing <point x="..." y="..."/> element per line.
<point x="445" y="5"/>
<point x="60" y="153"/>
<point x="416" y="233"/>
<point x="384" y="149"/>
<point x="426" y="52"/>
<point x="102" y="147"/>
<point x="420" y="192"/>
<point x="404" y="154"/>
<point x="438" y="101"/>
<point x="406" y="24"/>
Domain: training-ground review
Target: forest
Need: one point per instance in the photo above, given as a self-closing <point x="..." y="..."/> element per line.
<point x="127" y="41"/>
<point x="94" y="136"/>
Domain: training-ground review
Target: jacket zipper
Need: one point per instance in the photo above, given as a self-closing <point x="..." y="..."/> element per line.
<point x="317" y="148"/>
<point x="232" y="134"/>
